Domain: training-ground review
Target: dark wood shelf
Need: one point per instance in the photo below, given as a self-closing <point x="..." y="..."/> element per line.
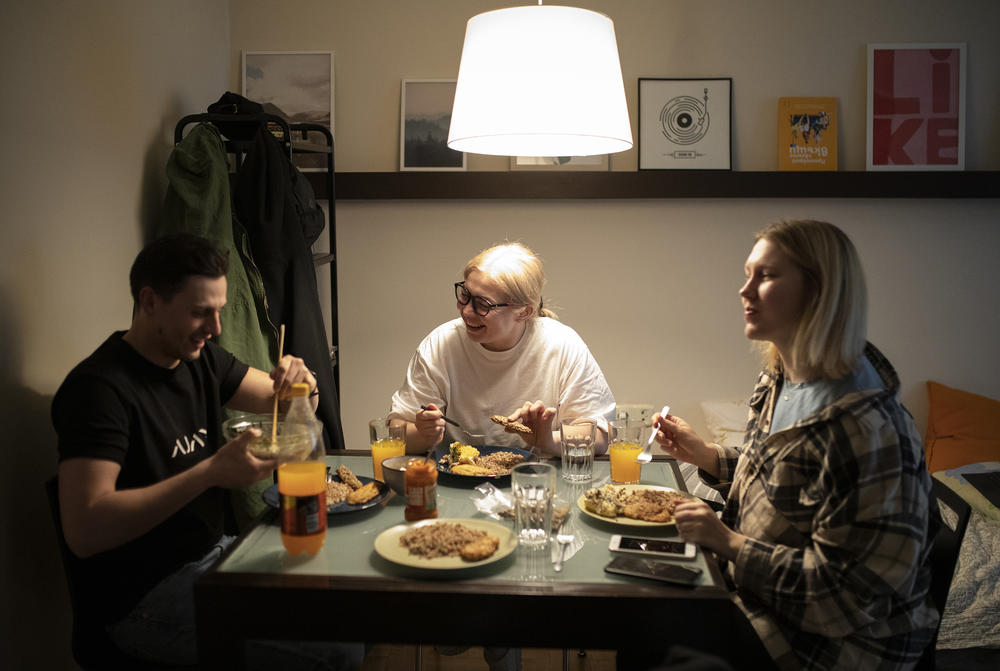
<point x="658" y="184"/>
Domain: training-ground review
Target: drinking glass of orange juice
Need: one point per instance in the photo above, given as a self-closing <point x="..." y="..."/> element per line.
<point x="624" y="445"/>
<point x="388" y="439"/>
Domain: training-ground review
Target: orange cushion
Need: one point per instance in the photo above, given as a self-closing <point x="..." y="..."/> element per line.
<point x="962" y="428"/>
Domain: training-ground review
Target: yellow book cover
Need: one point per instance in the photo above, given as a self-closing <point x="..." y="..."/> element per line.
<point x="807" y="133"/>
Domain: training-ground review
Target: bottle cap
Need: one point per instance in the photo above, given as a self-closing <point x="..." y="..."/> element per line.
<point x="300" y="389"/>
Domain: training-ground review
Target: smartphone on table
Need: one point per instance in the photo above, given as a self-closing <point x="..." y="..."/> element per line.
<point x="654" y="569"/>
<point x="653" y="547"/>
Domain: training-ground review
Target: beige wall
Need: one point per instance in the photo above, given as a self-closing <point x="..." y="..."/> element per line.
<point x="771" y="48"/>
<point x="652" y="287"/>
<point x="91" y="93"/>
<point x="676" y="263"/>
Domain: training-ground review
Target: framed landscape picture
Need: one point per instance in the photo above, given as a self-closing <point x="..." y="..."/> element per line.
<point x="298" y="87"/>
<point x="599" y="162"/>
<point x="424" y="120"/>
<point x="685" y="124"/>
<point x="916" y="107"/>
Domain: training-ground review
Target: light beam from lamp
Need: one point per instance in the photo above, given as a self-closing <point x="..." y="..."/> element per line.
<point x="540" y="81"/>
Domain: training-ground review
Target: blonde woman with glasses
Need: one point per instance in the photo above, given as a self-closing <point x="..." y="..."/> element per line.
<point x="506" y="354"/>
<point x="828" y="518"/>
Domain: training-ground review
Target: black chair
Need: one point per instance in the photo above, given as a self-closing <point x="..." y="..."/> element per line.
<point x="944" y="557"/>
<point x="92" y="648"/>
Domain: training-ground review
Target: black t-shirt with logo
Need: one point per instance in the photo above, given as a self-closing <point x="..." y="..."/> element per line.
<point x="154" y="422"/>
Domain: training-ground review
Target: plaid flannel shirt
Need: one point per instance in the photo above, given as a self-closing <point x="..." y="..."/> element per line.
<point x="838" y="513"/>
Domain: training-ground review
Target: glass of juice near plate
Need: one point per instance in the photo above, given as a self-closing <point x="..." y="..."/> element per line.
<point x="624" y="445"/>
<point x="388" y="439"/>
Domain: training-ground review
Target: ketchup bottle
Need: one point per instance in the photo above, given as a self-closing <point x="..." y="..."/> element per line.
<point x="421" y="489"/>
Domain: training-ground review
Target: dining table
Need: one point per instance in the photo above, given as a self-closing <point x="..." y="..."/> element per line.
<point x="349" y="591"/>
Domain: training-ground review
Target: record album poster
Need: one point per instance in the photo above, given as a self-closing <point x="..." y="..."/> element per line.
<point x="684" y="124"/>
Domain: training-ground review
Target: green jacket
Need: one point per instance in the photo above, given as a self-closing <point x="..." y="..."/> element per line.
<point x="198" y="202"/>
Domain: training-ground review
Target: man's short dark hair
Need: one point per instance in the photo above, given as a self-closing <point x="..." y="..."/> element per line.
<point x="166" y="263"/>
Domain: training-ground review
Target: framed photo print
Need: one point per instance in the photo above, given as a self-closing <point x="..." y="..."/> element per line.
<point x="685" y="124"/>
<point x="916" y="107"/>
<point x="599" y="162"/>
<point x="298" y="87"/>
<point x="424" y="120"/>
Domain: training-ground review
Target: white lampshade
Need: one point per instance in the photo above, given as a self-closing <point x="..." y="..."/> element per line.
<point x="540" y="81"/>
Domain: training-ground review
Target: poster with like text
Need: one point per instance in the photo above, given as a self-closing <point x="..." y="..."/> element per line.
<point x="916" y="107"/>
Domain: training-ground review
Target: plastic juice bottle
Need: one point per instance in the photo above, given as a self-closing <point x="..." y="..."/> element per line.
<point x="624" y="467"/>
<point x="302" y="484"/>
<point x="421" y="490"/>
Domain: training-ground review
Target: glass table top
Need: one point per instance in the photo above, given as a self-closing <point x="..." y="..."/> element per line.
<point x="349" y="547"/>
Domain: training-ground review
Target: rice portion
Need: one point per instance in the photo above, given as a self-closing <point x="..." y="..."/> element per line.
<point x="336" y="492"/>
<point x="441" y="539"/>
<point x="500" y="462"/>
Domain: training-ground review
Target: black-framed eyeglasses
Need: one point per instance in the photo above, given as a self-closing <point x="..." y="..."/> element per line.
<point x="481" y="306"/>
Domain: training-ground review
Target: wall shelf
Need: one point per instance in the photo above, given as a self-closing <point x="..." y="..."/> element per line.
<point x="658" y="184"/>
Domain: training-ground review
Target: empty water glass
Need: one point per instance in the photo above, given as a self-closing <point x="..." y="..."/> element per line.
<point x="577" y="444"/>
<point x="533" y="485"/>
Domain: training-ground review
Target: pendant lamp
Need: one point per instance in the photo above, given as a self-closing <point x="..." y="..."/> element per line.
<point x="540" y="81"/>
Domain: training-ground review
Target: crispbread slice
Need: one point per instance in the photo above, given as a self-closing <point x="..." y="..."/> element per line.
<point x="348" y="477"/>
<point x="512" y="427"/>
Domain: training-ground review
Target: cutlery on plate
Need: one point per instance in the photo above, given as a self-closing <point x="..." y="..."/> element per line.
<point x="646" y="455"/>
<point x="563" y="540"/>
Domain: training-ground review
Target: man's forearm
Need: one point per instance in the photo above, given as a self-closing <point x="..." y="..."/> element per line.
<point x="97" y="518"/>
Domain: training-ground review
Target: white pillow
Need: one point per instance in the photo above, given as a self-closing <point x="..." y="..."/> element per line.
<point x="726" y="420"/>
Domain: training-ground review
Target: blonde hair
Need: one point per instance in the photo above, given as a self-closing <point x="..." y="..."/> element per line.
<point x="517" y="271"/>
<point x="831" y="334"/>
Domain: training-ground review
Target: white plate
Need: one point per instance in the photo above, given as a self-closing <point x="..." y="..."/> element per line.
<point x="388" y="547"/>
<point x="628" y="521"/>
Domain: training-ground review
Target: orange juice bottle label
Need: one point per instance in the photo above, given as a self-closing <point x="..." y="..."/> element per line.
<point x="303" y="515"/>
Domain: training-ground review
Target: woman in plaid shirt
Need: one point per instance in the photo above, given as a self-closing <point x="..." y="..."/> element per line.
<point x="828" y="519"/>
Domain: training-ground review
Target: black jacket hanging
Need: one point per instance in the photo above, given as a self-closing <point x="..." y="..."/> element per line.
<point x="277" y="207"/>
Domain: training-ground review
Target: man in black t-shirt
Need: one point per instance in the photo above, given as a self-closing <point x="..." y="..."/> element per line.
<point x="143" y="465"/>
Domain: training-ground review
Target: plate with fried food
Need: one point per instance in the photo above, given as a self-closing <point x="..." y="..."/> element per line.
<point x="345" y="492"/>
<point x="446" y="544"/>
<point x="632" y="505"/>
<point x="480" y="463"/>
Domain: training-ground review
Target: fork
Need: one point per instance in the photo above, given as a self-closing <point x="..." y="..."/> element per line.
<point x="472" y="436"/>
<point x="563" y="539"/>
<point x="646" y="455"/>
